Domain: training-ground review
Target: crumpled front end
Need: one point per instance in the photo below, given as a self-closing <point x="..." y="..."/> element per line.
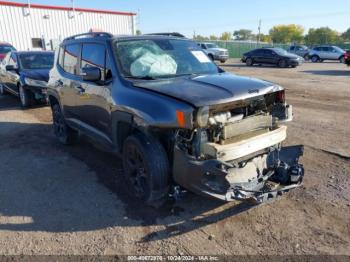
<point x="239" y="155"/>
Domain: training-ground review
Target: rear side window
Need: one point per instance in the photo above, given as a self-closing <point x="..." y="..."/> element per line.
<point x="258" y="52"/>
<point x="70" y="59"/>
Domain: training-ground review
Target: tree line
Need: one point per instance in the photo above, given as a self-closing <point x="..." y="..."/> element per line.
<point x="285" y="34"/>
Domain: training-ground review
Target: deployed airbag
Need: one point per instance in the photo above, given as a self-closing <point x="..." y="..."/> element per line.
<point x="150" y="64"/>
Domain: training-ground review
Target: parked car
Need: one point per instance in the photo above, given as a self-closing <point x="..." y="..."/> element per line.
<point x="176" y="119"/>
<point x="321" y="53"/>
<point x="25" y="74"/>
<point x="347" y="57"/>
<point x="215" y="52"/>
<point x="272" y="56"/>
<point x="300" y="50"/>
<point x="4" y="49"/>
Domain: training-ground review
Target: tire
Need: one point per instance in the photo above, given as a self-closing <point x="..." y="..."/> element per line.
<point x="342" y="59"/>
<point x="2" y="90"/>
<point x="65" y="134"/>
<point x="223" y="61"/>
<point x="306" y="57"/>
<point x="294" y="66"/>
<point x="146" y="169"/>
<point x="282" y="63"/>
<point x="249" y="62"/>
<point x="25" y="96"/>
<point x="315" y="59"/>
<point x="211" y="57"/>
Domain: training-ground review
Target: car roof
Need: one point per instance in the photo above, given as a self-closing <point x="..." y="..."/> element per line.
<point x="32" y="52"/>
<point x="102" y="37"/>
<point x="5" y="43"/>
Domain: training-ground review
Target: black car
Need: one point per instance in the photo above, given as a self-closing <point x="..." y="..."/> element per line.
<point x="25" y="74"/>
<point x="176" y="119"/>
<point x="272" y="56"/>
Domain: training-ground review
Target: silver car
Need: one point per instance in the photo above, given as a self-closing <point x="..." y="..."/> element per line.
<point x="321" y="53"/>
<point x="300" y="50"/>
<point x="215" y="52"/>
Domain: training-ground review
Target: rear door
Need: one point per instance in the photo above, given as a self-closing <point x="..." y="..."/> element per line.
<point x="326" y="53"/>
<point x="69" y="77"/>
<point x="269" y="57"/>
<point x="93" y="97"/>
<point x="258" y="55"/>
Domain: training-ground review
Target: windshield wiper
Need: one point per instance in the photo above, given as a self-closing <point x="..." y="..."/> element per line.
<point x="142" y="77"/>
<point x="179" y="75"/>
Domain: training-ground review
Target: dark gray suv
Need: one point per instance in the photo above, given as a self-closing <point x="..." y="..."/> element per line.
<point x="176" y="119"/>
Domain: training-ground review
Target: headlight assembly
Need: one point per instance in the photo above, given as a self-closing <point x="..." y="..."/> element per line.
<point x="33" y="82"/>
<point x="203" y="116"/>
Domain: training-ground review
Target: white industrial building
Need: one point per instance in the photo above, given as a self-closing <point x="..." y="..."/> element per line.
<point x="32" y="26"/>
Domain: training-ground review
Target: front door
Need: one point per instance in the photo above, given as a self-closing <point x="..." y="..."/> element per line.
<point x="11" y="76"/>
<point x="92" y="100"/>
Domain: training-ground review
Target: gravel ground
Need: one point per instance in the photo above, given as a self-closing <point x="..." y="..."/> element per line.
<point x="71" y="200"/>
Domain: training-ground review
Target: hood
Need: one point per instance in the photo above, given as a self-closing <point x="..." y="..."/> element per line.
<point x="292" y="56"/>
<point x="37" y="74"/>
<point x="210" y="89"/>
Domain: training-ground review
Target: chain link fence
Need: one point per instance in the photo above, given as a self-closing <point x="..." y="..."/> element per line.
<point x="237" y="49"/>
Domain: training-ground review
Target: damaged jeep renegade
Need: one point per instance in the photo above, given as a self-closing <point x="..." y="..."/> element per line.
<point x="178" y="121"/>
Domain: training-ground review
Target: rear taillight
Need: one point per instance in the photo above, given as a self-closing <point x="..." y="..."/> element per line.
<point x="347" y="55"/>
<point x="280" y="97"/>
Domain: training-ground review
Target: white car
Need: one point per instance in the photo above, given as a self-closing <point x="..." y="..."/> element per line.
<point x="321" y="53"/>
<point x="215" y="52"/>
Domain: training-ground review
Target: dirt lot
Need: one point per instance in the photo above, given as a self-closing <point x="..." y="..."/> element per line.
<point x="71" y="200"/>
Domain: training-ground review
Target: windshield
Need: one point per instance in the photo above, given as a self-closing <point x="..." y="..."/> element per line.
<point x="212" y="46"/>
<point x="161" y="58"/>
<point x="36" y="61"/>
<point x="4" y="49"/>
<point x="280" y="51"/>
<point x="339" y="49"/>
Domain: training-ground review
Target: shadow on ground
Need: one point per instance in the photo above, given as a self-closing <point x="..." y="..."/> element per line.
<point x="254" y="66"/>
<point x="329" y="72"/>
<point x="49" y="187"/>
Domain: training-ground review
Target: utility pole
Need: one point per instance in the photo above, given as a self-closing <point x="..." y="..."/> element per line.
<point x="73" y="7"/>
<point x="194" y="34"/>
<point x="259" y="31"/>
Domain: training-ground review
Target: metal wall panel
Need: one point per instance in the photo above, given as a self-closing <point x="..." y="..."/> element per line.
<point x="18" y="28"/>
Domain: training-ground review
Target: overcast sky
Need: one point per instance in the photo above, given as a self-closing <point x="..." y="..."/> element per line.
<point x="216" y="16"/>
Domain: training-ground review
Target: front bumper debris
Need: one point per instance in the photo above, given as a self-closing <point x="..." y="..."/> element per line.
<point x="259" y="179"/>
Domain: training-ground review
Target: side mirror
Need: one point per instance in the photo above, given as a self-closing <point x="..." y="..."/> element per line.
<point x="92" y="74"/>
<point x="10" y="68"/>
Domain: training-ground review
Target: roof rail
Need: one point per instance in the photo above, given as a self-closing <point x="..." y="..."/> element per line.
<point x="174" y="34"/>
<point x="90" y="34"/>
